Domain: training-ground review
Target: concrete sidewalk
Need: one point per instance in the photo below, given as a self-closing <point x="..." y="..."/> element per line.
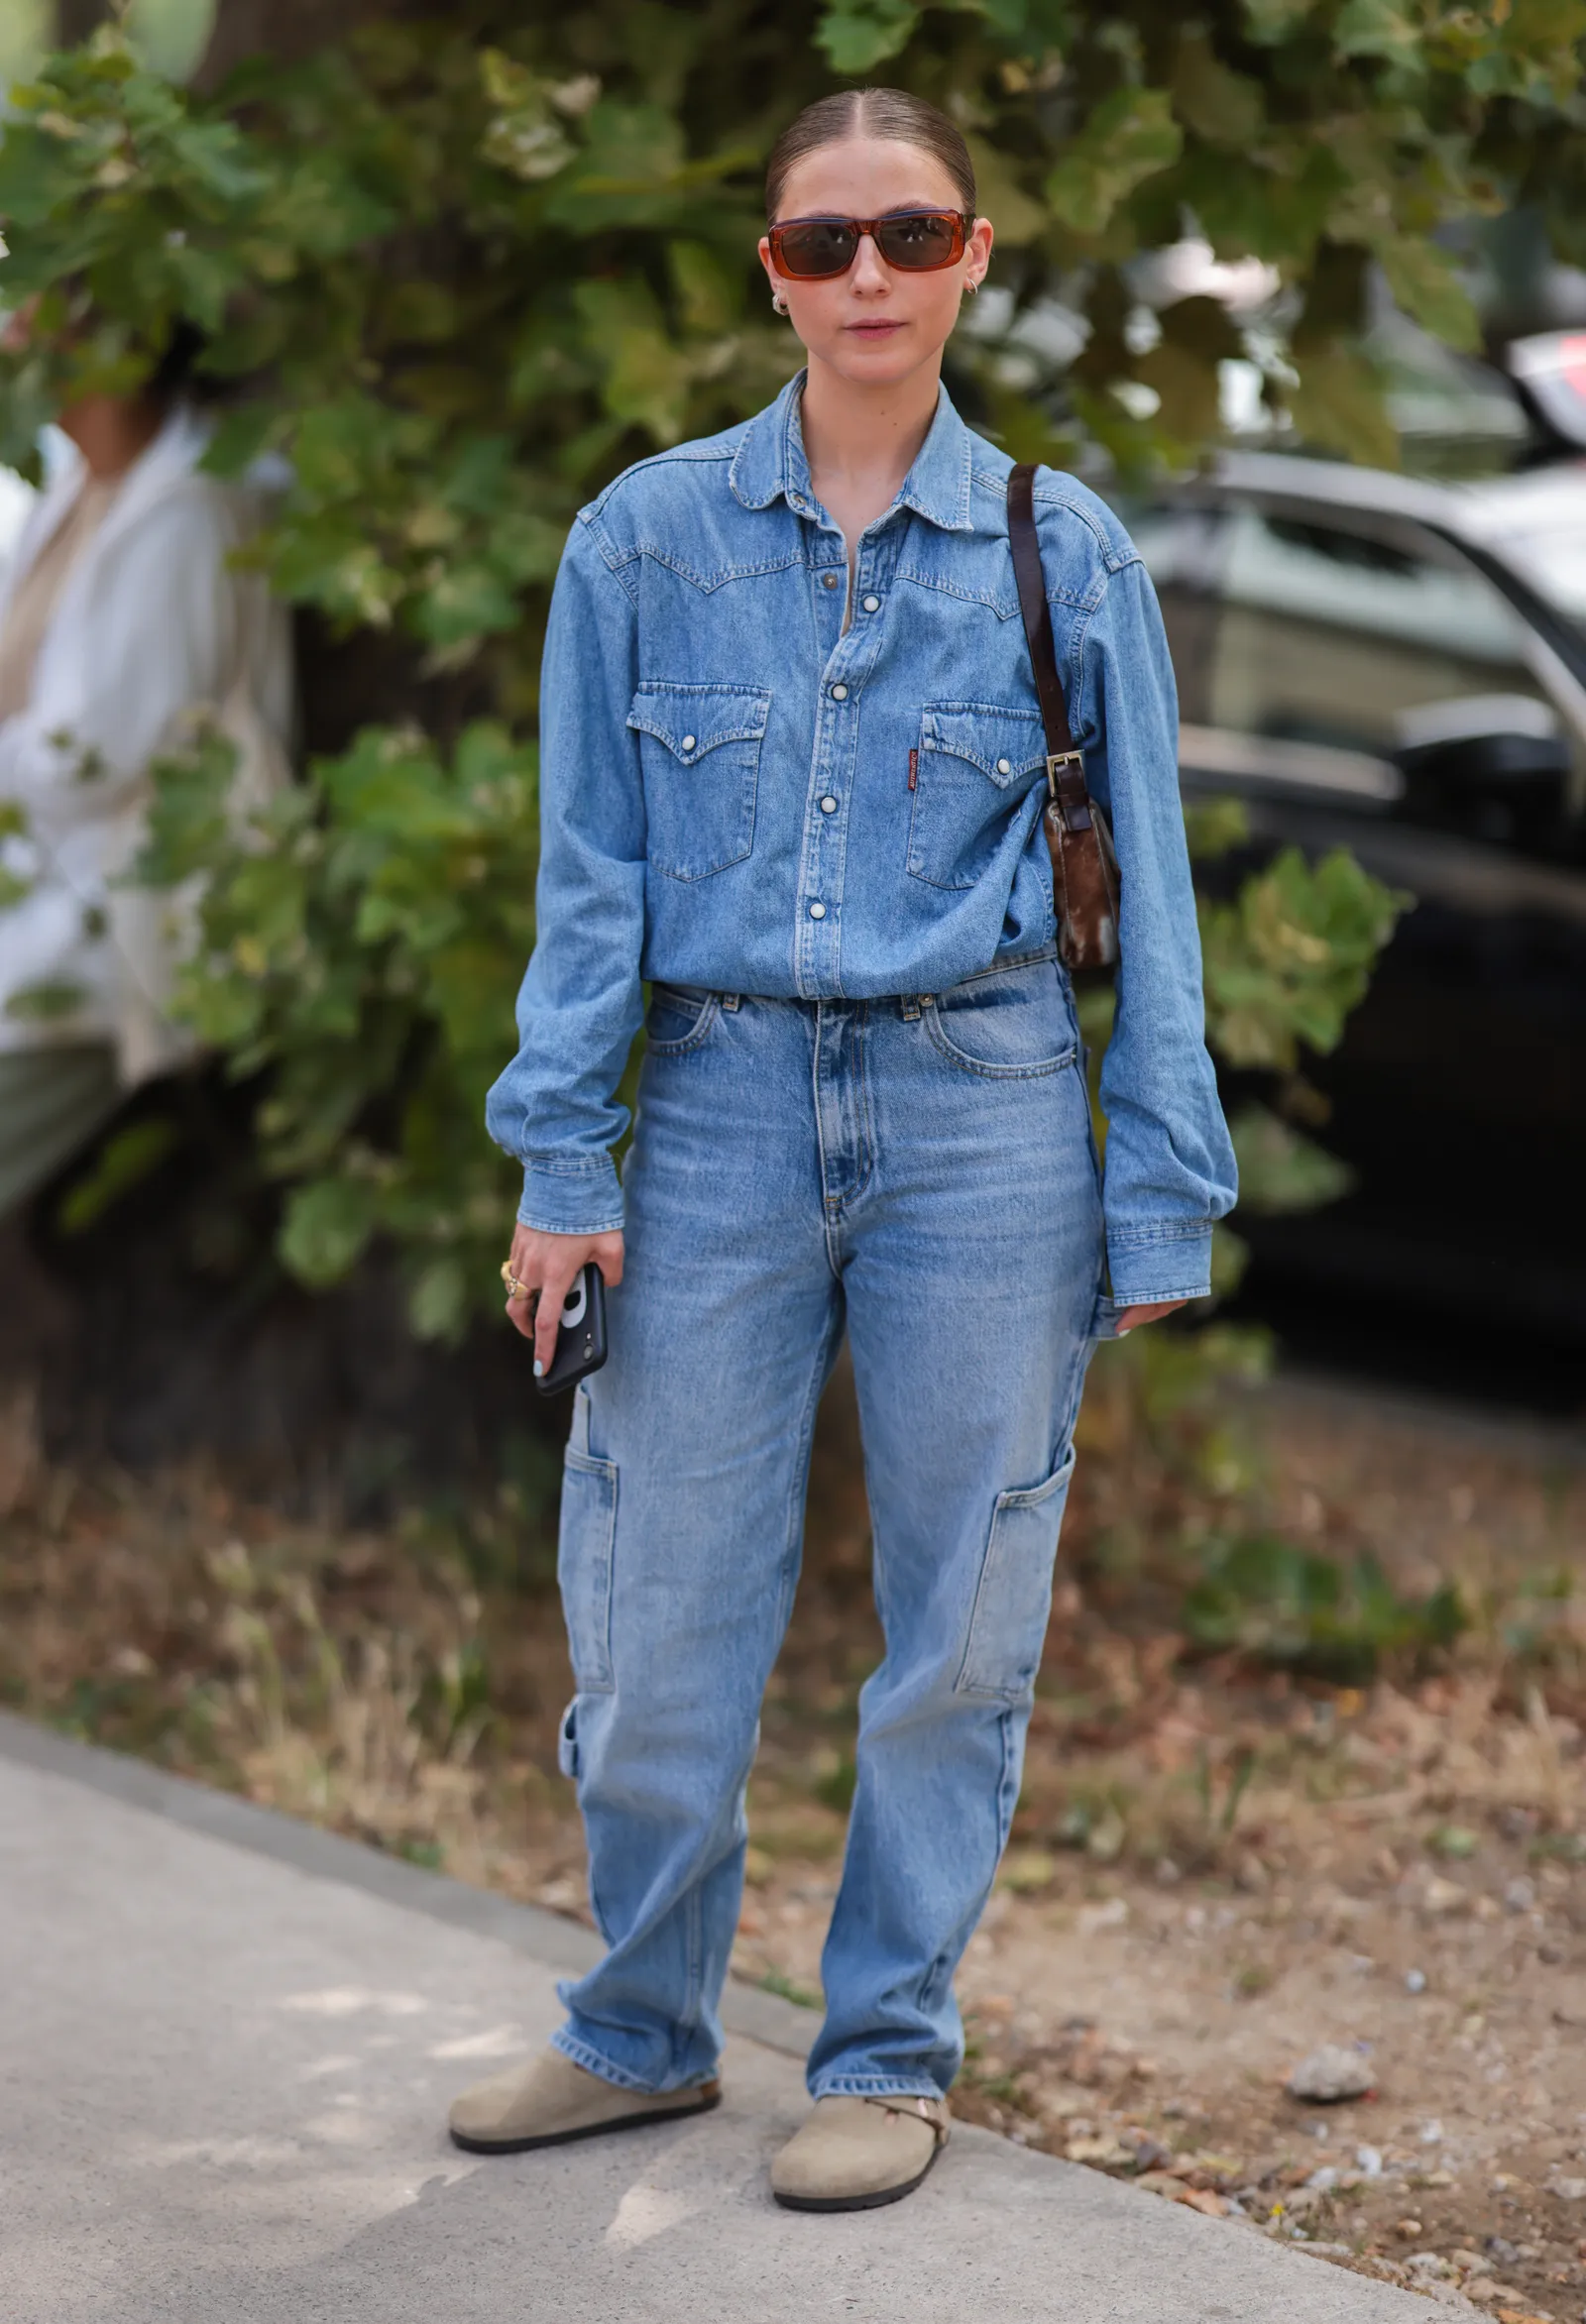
<point x="226" y="2046"/>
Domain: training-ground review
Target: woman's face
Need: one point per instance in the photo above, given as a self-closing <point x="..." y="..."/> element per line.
<point x="875" y="324"/>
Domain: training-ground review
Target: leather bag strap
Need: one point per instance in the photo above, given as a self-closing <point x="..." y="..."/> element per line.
<point x="1065" y="766"/>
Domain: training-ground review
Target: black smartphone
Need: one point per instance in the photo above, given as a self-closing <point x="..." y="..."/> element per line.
<point x="581" y="1337"/>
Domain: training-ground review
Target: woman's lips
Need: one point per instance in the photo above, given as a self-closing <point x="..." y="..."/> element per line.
<point x="873" y="330"/>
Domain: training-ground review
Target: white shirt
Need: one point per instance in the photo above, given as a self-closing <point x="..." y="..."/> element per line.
<point x="153" y="630"/>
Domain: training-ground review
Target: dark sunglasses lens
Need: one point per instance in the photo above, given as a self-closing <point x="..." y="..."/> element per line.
<point x="824" y="246"/>
<point x="919" y="242"/>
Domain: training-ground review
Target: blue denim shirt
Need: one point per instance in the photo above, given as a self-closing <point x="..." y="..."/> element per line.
<point x="753" y="781"/>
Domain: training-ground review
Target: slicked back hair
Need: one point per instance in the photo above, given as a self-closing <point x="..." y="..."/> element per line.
<point x="890" y="114"/>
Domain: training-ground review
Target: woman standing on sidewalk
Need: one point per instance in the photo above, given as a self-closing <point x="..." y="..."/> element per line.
<point x="792" y="773"/>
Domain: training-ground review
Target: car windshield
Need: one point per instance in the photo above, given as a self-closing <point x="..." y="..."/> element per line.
<point x="1554" y="563"/>
<point x="1535" y="520"/>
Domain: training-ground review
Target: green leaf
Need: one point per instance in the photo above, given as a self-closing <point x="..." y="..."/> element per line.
<point x="124" y="1161"/>
<point x="1338" y="406"/>
<point x="524" y="133"/>
<point x="1213" y="825"/>
<point x="438" y="1305"/>
<point x="858" y="34"/>
<point x="1377" y="28"/>
<point x="1425" y="283"/>
<point x="1279" y="1170"/>
<point x="326" y="1229"/>
<point x="646" y="378"/>
<point x="1018" y="218"/>
<point x="1131" y="136"/>
<point x="1268" y="1598"/>
<point x="1274" y="21"/>
<point x="1291" y="958"/>
<point x="1223" y="106"/>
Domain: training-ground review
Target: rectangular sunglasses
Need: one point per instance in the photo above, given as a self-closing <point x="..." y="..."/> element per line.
<point x="916" y="242"/>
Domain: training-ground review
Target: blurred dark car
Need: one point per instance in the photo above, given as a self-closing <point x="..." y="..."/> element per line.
<point x="1400" y="668"/>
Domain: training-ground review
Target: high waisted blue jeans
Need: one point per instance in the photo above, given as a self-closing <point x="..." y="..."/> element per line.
<point x="921" y="1173"/>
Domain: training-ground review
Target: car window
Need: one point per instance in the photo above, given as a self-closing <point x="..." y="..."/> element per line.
<point x="1346" y="638"/>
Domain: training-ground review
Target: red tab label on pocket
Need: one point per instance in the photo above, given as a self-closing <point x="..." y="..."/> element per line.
<point x="914" y="770"/>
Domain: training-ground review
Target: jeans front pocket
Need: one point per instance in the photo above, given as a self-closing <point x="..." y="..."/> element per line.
<point x="1104" y="1317"/>
<point x="588" y="1539"/>
<point x="972" y="774"/>
<point x="679" y="1020"/>
<point x="1008" y="1627"/>
<point x="699" y="760"/>
<point x="1006" y="1025"/>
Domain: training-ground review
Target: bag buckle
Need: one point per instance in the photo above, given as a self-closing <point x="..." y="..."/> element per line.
<point x="1061" y="788"/>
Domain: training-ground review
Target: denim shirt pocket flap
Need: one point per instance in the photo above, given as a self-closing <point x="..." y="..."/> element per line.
<point x="1007" y="745"/>
<point x="694" y="721"/>
<point x="1013" y="1598"/>
<point x="700" y="761"/>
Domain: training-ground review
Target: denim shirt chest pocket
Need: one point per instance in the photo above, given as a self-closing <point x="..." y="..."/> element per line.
<point x="975" y="766"/>
<point x="699" y="760"/>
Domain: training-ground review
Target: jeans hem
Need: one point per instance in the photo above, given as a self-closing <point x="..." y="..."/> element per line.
<point x="873" y="2086"/>
<point x="594" y="2063"/>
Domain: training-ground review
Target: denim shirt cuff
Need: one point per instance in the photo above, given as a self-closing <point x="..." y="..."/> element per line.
<point x="1173" y="1263"/>
<point x="580" y="1198"/>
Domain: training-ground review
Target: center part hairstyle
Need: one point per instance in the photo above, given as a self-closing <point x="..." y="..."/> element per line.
<point x="892" y="115"/>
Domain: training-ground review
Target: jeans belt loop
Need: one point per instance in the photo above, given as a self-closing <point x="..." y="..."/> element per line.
<point x="729" y="1001"/>
<point x="910" y="1008"/>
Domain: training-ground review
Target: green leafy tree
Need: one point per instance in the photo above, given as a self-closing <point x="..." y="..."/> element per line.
<point x="458" y="272"/>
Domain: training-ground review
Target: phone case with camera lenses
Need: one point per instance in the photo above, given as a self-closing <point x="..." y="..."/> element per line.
<point x="581" y="1338"/>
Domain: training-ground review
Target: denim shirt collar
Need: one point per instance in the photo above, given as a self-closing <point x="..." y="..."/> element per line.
<point x="769" y="464"/>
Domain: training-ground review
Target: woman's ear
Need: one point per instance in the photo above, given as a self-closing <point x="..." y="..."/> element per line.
<point x="778" y="299"/>
<point x="978" y="253"/>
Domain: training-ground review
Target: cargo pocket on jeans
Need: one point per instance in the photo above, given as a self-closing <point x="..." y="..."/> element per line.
<point x="567" y="1741"/>
<point x="1008" y="1627"/>
<point x="584" y="1566"/>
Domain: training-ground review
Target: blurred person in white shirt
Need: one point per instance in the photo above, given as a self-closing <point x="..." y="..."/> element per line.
<point x="124" y="623"/>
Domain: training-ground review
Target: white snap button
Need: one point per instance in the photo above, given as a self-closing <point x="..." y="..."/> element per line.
<point x="828" y="581"/>
<point x="829" y="806"/>
<point x="689" y="741"/>
<point x="872" y="604"/>
<point x="840" y="694"/>
<point x="1004" y="767"/>
<point x="816" y="911"/>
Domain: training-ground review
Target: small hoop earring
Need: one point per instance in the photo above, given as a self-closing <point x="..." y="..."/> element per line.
<point x="778" y="303"/>
<point x="972" y="289"/>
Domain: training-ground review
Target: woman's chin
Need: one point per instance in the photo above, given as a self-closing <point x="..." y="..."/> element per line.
<point x="882" y="360"/>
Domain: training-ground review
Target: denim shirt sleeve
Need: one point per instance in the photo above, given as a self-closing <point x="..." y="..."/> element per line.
<point x="581" y="999"/>
<point x="1170" y="1164"/>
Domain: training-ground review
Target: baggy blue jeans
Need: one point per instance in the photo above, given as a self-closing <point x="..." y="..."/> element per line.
<point x="921" y="1171"/>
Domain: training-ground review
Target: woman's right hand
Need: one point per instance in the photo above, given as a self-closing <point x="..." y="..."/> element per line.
<point x="546" y="1265"/>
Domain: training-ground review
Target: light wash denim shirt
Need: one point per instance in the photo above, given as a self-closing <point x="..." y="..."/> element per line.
<point x="758" y="781"/>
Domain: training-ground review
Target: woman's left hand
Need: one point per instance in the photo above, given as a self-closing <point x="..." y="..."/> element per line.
<point x="1130" y="1316"/>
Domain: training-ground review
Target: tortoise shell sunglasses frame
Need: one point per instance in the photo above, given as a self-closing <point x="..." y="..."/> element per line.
<point x="915" y="242"/>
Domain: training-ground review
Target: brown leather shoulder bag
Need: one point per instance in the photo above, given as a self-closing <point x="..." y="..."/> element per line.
<point x="1085" y="868"/>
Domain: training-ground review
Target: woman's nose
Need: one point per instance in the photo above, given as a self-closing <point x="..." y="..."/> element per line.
<point x="870" y="271"/>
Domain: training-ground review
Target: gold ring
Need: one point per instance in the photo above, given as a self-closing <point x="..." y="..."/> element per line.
<point x="514" y="1290"/>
